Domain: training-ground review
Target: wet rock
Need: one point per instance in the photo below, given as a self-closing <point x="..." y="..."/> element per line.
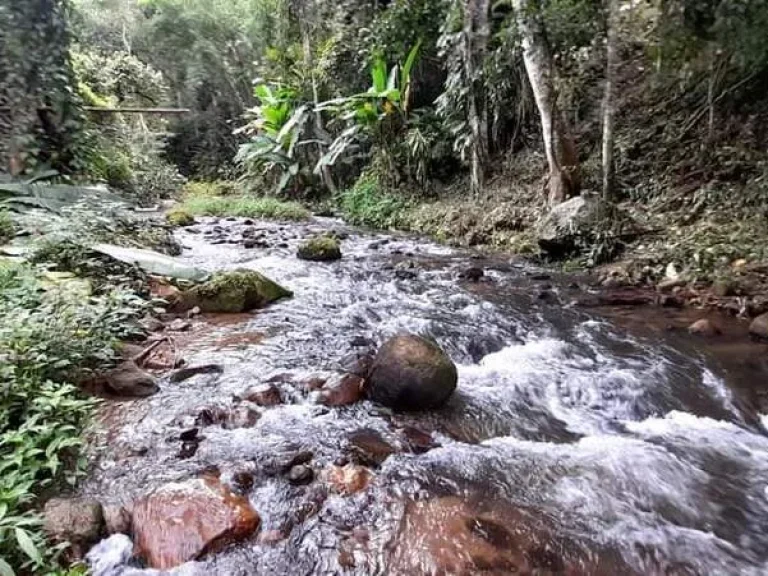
<point x="759" y="327"/>
<point x="417" y="440"/>
<point x="347" y="480"/>
<point x="193" y="312"/>
<point x="241" y="417"/>
<point x="179" y="325"/>
<point x="129" y="381"/>
<point x="151" y="324"/>
<point x="117" y="520"/>
<point x="243" y="481"/>
<point x="411" y="373"/>
<point x="452" y="538"/>
<point x="300" y="474"/>
<point x="342" y="390"/>
<point x="724" y="288"/>
<point x="669" y="284"/>
<point x="187" y="373"/>
<point x="473" y="274"/>
<point x="249" y="244"/>
<point x="368" y="447"/>
<point x="263" y="395"/>
<point x="558" y="231"/>
<point x="406" y="270"/>
<point x="249" y="232"/>
<point x="358" y="363"/>
<point x="313" y="383"/>
<point x="236" y="291"/>
<point x="109" y="556"/>
<point x="320" y="249"/>
<point x="704" y="327"/>
<point x="79" y="521"/>
<point x="296" y="459"/>
<point x="362" y="342"/>
<point x="184" y="521"/>
<point x="230" y="418"/>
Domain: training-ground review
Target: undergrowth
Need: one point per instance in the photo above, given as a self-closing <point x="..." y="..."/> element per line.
<point x="50" y="338"/>
<point x="366" y="203"/>
<point x="243" y="206"/>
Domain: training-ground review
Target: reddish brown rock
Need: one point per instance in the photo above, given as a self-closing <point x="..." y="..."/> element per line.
<point x="704" y="327"/>
<point x="348" y="479"/>
<point x="342" y="390"/>
<point x="368" y="447"/>
<point x="263" y="395"/>
<point x="451" y="537"/>
<point x="183" y="521"/>
<point x="759" y="327"/>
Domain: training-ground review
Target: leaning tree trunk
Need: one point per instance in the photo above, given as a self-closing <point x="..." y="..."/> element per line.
<point x="476" y="34"/>
<point x="609" y="102"/>
<point x="558" y="144"/>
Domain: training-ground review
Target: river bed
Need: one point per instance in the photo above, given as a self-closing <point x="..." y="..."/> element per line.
<point x="576" y="442"/>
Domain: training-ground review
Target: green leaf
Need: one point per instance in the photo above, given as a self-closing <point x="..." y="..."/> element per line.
<point x="5" y="569"/>
<point x="26" y="544"/>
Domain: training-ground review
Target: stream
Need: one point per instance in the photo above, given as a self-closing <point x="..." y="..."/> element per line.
<point x="574" y="444"/>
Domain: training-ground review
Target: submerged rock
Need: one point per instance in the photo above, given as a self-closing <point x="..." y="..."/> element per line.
<point x="183" y="521"/>
<point x="759" y="327"/>
<point x="186" y="373"/>
<point x="79" y="521"/>
<point x="237" y="291"/>
<point x="559" y="230"/>
<point x="320" y="249"/>
<point x="704" y="327"/>
<point x="411" y="373"/>
<point x="342" y="390"/>
<point x="263" y="395"/>
<point x="347" y="480"/>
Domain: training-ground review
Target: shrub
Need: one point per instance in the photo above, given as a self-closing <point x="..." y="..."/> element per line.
<point x="244" y="206"/>
<point x="179" y="217"/>
<point x="48" y="339"/>
<point x="367" y="204"/>
<point x="7" y="229"/>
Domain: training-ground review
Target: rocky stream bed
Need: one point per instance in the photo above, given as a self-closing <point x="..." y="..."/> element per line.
<point x="579" y="440"/>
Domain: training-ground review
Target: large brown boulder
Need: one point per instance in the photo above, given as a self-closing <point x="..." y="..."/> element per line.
<point x="183" y="521"/>
<point x="759" y="327"/>
<point x="411" y="373"/>
<point x="79" y="521"/>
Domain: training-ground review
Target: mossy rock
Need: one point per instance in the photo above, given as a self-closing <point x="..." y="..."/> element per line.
<point x="180" y="218"/>
<point x="236" y="291"/>
<point x="320" y="249"/>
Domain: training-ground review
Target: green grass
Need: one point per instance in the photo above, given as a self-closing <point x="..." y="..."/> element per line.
<point x="7" y="229"/>
<point x="367" y="204"/>
<point x="243" y="206"/>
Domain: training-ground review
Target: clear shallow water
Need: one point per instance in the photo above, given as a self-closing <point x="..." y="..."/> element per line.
<point x="570" y="447"/>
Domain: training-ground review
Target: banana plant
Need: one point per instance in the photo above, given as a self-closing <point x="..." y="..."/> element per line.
<point x="366" y="113"/>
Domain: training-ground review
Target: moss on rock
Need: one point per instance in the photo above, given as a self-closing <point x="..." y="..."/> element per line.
<point x="320" y="249"/>
<point x="180" y="218"/>
<point x="236" y="291"/>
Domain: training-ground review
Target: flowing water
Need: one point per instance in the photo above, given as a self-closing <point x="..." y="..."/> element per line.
<point x="572" y="445"/>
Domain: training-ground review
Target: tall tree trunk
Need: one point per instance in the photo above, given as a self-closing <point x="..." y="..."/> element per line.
<point x="609" y="101"/>
<point x="476" y="35"/>
<point x="559" y="147"/>
<point x="320" y="132"/>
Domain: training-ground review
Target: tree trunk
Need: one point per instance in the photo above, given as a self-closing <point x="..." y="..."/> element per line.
<point x="609" y="102"/>
<point x="476" y="35"/>
<point x="320" y="131"/>
<point x="559" y="147"/>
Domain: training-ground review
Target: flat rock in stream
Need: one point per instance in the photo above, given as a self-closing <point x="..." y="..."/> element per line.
<point x="129" y="381"/>
<point x="186" y="373"/>
<point x="239" y="290"/>
<point x="183" y="521"/>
